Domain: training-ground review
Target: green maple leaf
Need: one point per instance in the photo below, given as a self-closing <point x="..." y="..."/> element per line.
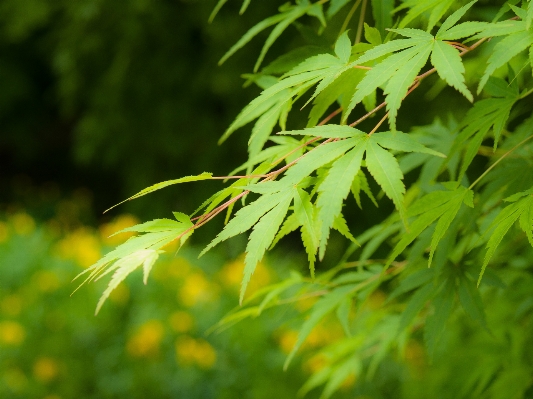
<point x="521" y="210"/>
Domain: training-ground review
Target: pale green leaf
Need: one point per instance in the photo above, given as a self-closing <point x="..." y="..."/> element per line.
<point x="307" y="217"/>
<point x="502" y="28"/>
<point x="151" y="226"/>
<point x="289" y="225"/>
<point x="412" y="281"/>
<point x="504" y="51"/>
<point x="217" y="8"/>
<point x="288" y="18"/>
<point x="158" y="186"/>
<point x="386" y="48"/>
<point x="320" y="309"/>
<point x="262" y="236"/>
<point x="372" y="35"/>
<point x="335" y="188"/>
<point x="413" y="33"/>
<point x="400" y="141"/>
<point x="454" y="18"/>
<point x="327" y="131"/>
<point x="124" y="267"/>
<point x="521" y="209"/>
<point x="318" y="157"/>
<point x="246" y="217"/>
<point x="404" y="77"/>
<point x="384" y="167"/>
<point x="380" y="74"/>
<point x="462" y="30"/>
<point x="343" y="47"/>
<point x="244" y="6"/>
<point x="256" y="29"/>
<point x="341" y="226"/>
<point x="447" y="62"/>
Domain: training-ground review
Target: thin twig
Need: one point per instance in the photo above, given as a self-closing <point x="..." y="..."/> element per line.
<point x="361" y="22"/>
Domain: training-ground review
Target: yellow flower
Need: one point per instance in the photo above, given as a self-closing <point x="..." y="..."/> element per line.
<point x="287" y="339"/>
<point x="231" y="275"/>
<point x="191" y="351"/>
<point x="314" y="364"/>
<point x="196" y="289"/>
<point x="145" y="342"/>
<point x="4" y="232"/>
<point x="119" y="223"/>
<point x="45" y="369"/>
<point x="81" y="246"/>
<point x="181" y="321"/>
<point x="11" y="333"/>
<point x="46" y="281"/>
<point x="23" y="223"/>
<point x="11" y="305"/>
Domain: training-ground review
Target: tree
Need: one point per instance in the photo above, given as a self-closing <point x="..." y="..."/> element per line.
<point x="459" y="239"/>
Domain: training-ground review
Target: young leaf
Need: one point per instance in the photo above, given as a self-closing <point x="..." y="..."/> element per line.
<point x="522" y="210"/>
<point x="261" y="237"/>
<point x="246" y="217"/>
<point x="324" y="306"/>
<point x="447" y="62"/>
<point x="126" y="265"/>
<point x="328" y="131"/>
<point x="318" y="157"/>
<point x="306" y="214"/>
<point x="403" y="78"/>
<point x="158" y="186"/>
<point x="343" y="47"/>
<point x="506" y="49"/>
<point x="336" y="187"/>
<point x="400" y="141"/>
<point x="454" y="18"/>
<point x="385" y="169"/>
<point x="442" y="205"/>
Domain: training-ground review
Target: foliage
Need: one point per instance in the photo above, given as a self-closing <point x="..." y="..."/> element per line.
<point x="458" y="188"/>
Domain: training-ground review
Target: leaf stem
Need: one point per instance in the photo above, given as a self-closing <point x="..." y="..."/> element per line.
<point x="498" y="161"/>
<point x="349" y="17"/>
<point x="361" y="23"/>
<point x="379" y="124"/>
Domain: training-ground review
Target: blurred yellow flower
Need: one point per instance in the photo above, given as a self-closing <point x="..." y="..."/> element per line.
<point x="4" y="232"/>
<point x="181" y="321"/>
<point x="46" y="281"/>
<point x="197" y="289"/>
<point x="231" y="275"/>
<point x="287" y="339"/>
<point x="45" y="369"/>
<point x="177" y="267"/>
<point x="11" y="333"/>
<point x="314" y="364"/>
<point x="81" y="246"/>
<point x="191" y="351"/>
<point x="145" y="342"/>
<point x="23" y="224"/>
<point x="415" y="356"/>
<point x="117" y="224"/>
<point x="11" y="305"/>
<point x="376" y="300"/>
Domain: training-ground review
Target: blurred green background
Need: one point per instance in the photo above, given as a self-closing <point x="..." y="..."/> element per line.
<point x="100" y="99"/>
